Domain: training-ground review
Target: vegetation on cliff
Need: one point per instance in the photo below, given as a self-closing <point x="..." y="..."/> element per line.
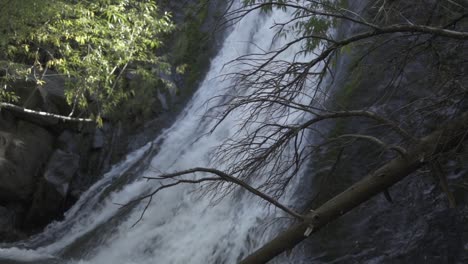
<point x="95" y="46"/>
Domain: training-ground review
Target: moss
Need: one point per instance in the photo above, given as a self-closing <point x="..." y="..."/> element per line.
<point x="336" y="181"/>
<point x="191" y="46"/>
<point x="187" y="52"/>
<point x="345" y="96"/>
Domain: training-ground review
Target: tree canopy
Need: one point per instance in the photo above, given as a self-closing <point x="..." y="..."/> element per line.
<point x="93" y="45"/>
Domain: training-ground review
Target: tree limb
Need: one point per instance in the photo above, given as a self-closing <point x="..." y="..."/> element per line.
<point x="377" y="141"/>
<point x="226" y="177"/>
<point x="19" y="109"/>
<point x="427" y="148"/>
<point x="438" y="172"/>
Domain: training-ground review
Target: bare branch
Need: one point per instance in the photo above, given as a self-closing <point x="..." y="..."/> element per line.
<point x="427" y="148"/>
<point x="160" y="188"/>
<point x="379" y="142"/>
<point x="222" y="176"/>
<point x="438" y="172"/>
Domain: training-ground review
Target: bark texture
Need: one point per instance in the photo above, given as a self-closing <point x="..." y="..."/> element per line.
<point x="427" y="149"/>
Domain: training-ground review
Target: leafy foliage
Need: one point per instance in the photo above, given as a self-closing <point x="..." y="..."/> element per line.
<point x="8" y="96"/>
<point x="311" y="18"/>
<point x="191" y="43"/>
<point x="92" y="44"/>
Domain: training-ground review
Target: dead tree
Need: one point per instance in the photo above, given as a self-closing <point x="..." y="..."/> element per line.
<point x="280" y="89"/>
<point x="425" y="152"/>
<point x="284" y="105"/>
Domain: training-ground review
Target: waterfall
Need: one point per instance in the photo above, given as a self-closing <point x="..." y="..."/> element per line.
<point x="180" y="225"/>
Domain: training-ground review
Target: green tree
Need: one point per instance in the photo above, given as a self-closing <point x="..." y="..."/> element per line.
<point x="92" y="44"/>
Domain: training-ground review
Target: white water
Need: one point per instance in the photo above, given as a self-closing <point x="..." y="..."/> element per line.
<point x="179" y="225"/>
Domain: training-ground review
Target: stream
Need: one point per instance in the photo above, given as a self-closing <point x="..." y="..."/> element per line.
<point x="181" y="224"/>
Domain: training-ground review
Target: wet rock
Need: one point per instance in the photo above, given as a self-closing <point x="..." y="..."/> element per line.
<point x="7" y="121"/>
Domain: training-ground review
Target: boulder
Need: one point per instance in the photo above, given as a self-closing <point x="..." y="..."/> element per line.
<point x="6" y="218"/>
<point x="49" y="198"/>
<point x="47" y="205"/>
<point x="54" y="94"/>
<point x="11" y="187"/>
<point x="60" y="170"/>
<point x="23" y="154"/>
<point x="29" y="96"/>
<point x="8" y="223"/>
<point x="69" y="141"/>
<point x="99" y="139"/>
<point x="7" y="121"/>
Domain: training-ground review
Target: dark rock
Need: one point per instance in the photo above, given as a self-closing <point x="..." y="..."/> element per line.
<point x="10" y="187"/>
<point x="30" y="96"/>
<point x="49" y="199"/>
<point x="54" y="96"/>
<point x="6" y="218"/>
<point x="8" y="222"/>
<point x="99" y="139"/>
<point x="68" y="141"/>
<point x="47" y="205"/>
<point x="25" y="153"/>
<point x="60" y="170"/>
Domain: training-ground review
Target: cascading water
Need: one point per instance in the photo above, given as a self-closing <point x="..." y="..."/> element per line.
<point x="180" y="225"/>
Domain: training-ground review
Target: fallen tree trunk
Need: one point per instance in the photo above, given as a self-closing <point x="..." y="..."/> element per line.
<point x="424" y="151"/>
<point x="42" y="114"/>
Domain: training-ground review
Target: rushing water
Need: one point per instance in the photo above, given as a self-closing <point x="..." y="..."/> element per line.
<point x="180" y="225"/>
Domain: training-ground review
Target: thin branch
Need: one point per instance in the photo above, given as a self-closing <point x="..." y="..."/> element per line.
<point x="162" y="187"/>
<point x="398" y="149"/>
<point x="231" y="179"/>
<point x="440" y="141"/>
<point x="438" y="172"/>
<point x="358" y="113"/>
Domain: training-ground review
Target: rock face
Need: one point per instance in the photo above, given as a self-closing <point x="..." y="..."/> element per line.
<point x="49" y="199"/>
<point x="34" y="172"/>
<point x="39" y="160"/>
<point x="419" y="226"/>
<point x="60" y="170"/>
<point x="24" y="150"/>
<point x="8" y="219"/>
